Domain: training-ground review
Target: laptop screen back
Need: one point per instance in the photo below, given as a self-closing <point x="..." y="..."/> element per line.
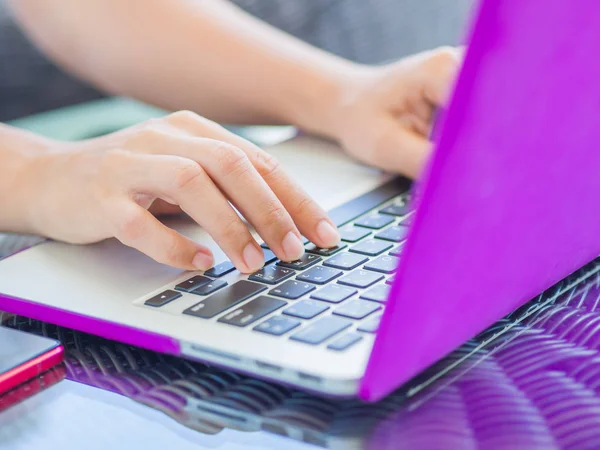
<point x="510" y="202"/>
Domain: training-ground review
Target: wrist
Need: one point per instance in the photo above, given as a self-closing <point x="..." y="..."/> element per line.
<point x="318" y="96"/>
<point x="20" y="152"/>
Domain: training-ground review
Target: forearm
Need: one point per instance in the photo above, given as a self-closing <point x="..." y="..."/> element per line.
<point x="17" y="150"/>
<point x="204" y="55"/>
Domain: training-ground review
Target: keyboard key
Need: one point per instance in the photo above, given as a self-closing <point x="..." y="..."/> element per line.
<point x="304" y="241"/>
<point x="220" y="269"/>
<point x="192" y="283"/>
<point x="371" y="247"/>
<point x="370" y="325"/>
<point x="312" y="248"/>
<point x="396" y="209"/>
<point x="209" y="288"/>
<point x="353" y="234"/>
<point x="361" y="278"/>
<point x="374" y="221"/>
<point x="345" y="261"/>
<point x="225" y="299"/>
<point x="397" y="251"/>
<point x="277" y="325"/>
<point x="383" y="264"/>
<point x="271" y="274"/>
<point x="377" y="293"/>
<point x="292" y="289"/>
<point x="320" y="330"/>
<point x="407" y="220"/>
<point x="304" y="262"/>
<point x="269" y="256"/>
<point x="306" y="309"/>
<point x="390" y="280"/>
<point x="345" y="341"/>
<point x="252" y="311"/>
<point x="334" y="293"/>
<point x="319" y="275"/>
<point x="396" y="233"/>
<point x="162" y="298"/>
<point x="357" y="309"/>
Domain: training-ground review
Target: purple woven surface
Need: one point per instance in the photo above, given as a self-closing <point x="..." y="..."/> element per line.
<point x="536" y="384"/>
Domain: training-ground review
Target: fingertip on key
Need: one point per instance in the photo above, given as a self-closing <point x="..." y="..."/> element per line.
<point x="292" y="247"/>
<point x="203" y="261"/>
<point x="253" y="257"/>
<point x="328" y="234"/>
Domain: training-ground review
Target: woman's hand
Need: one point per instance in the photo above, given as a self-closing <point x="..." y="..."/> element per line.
<point x="88" y="191"/>
<point x="383" y="115"/>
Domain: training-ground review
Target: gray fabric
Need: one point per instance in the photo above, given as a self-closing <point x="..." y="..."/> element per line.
<point x="29" y="83"/>
<point x="369" y="31"/>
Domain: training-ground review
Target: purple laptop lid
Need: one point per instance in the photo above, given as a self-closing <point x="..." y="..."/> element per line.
<point x="509" y="204"/>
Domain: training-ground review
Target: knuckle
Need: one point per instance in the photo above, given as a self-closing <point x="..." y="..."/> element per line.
<point x="232" y="159"/>
<point x="233" y="228"/>
<point x="189" y="118"/>
<point x="443" y="57"/>
<point x="186" y="174"/>
<point x="275" y="213"/>
<point x="267" y="165"/>
<point x="305" y="207"/>
<point x="183" y="116"/>
<point x="150" y="132"/>
<point x="147" y="133"/>
<point x="151" y="123"/>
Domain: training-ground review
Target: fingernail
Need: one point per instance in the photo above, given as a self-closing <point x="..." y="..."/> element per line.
<point x="202" y="261"/>
<point x="253" y="257"/>
<point x="292" y="247"/>
<point x="328" y="235"/>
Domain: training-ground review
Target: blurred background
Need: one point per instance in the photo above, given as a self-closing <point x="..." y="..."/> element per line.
<point x="367" y="31"/>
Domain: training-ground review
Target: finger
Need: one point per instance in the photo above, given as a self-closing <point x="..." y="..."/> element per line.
<point x="182" y="181"/>
<point x="237" y="177"/>
<point x="421" y="110"/>
<point x="309" y="217"/>
<point x="229" y="167"/>
<point x="400" y="149"/>
<point x="439" y="72"/>
<point x="138" y="228"/>
<point x="415" y="122"/>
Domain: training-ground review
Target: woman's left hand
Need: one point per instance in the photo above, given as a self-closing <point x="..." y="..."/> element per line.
<point x="383" y="115"/>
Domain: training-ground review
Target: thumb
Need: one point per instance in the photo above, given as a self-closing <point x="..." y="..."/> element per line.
<point x="438" y="73"/>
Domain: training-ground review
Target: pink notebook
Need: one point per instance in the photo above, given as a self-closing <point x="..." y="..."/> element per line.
<point x="511" y="201"/>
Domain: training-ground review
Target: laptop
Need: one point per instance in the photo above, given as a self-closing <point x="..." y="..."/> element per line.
<point x="507" y="207"/>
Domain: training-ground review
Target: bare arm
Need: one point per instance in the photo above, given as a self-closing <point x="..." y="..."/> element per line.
<point x="17" y="149"/>
<point x="204" y="55"/>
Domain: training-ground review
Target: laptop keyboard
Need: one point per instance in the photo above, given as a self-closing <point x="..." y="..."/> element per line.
<point x="331" y="297"/>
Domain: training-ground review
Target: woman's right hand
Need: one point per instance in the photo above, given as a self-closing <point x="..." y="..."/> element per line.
<point x="88" y="191"/>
